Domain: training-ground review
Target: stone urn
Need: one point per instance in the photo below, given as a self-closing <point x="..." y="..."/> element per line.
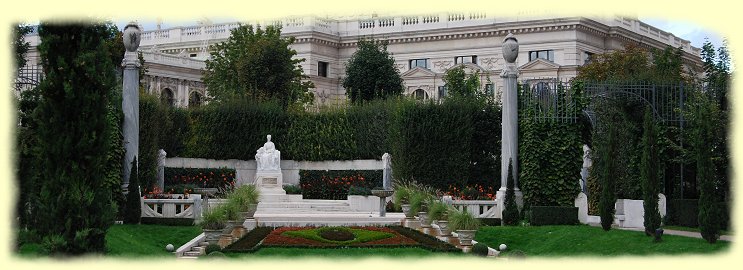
<point x="406" y="210"/>
<point x="443" y="227"/>
<point x="510" y="48"/>
<point x="232" y="224"/>
<point x="465" y="237"/>
<point x="251" y="211"/>
<point x="425" y="221"/>
<point x="212" y="236"/>
<point x="132" y="36"/>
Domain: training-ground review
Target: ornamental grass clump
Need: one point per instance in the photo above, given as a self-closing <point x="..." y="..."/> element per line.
<point x="463" y="220"/>
<point x="213" y="219"/>
<point x="243" y="197"/>
<point x="438" y="210"/>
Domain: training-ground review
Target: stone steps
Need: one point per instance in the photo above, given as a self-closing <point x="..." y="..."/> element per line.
<point x="327" y="219"/>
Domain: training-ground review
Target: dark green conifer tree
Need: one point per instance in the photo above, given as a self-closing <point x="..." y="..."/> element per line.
<point x="649" y="175"/>
<point x="510" y="210"/>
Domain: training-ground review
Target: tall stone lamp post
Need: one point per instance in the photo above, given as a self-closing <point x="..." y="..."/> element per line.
<point x="130" y="103"/>
<point x="509" y="124"/>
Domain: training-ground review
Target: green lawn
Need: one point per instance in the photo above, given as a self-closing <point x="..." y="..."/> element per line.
<point x="271" y="252"/>
<point x="136" y="240"/>
<point x="584" y="240"/>
<point x="692" y="229"/>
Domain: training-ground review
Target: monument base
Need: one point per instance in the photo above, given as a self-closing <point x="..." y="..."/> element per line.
<point x="270" y="183"/>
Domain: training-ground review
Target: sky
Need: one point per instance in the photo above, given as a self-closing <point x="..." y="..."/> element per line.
<point x="685" y="30"/>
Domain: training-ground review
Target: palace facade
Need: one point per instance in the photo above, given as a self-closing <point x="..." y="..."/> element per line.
<point x="424" y="48"/>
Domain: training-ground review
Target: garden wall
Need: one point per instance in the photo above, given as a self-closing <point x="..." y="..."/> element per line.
<point x="246" y="169"/>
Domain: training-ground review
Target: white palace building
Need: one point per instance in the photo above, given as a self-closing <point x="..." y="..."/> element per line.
<point x="424" y="48"/>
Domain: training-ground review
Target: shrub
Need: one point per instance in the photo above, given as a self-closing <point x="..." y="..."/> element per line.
<point x="317" y="136"/>
<point x="419" y="201"/>
<point x="363" y="191"/>
<point x="438" y="210"/>
<point x="607" y="197"/>
<point x="463" y="220"/>
<point x="222" y="178"/>
<point x="250" y="241"/>
<point x="292" y="189"/>
<point x="133" y="198"/>
<point x="230" y="210"/>
<point x="553" y="215"/>
<point x="180" y="188"/>
<point x="213" y="248"/>
<point x="243" y="197"/>
<point x="334" y="185"/>
<point x="53" y="244"/>
<point x="480" y="249"/>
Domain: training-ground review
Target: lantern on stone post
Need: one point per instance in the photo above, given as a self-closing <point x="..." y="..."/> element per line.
<point x="132" y="35"/>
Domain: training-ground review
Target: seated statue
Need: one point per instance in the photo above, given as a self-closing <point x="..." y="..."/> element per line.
<point x="267" y="158"/>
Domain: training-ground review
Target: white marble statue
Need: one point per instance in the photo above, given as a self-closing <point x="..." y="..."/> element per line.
<point x="386" y="171"/>
<point x="267" y="158"/>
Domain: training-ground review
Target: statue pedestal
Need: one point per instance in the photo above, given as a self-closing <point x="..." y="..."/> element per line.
<point x="270" y="185"/>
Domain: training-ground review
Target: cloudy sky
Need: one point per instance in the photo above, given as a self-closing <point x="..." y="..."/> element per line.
<point x="685" y="30"/>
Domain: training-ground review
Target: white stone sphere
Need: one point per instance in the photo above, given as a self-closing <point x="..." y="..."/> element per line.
<point x="502" y="247"/>
<point x="169" y="248"/>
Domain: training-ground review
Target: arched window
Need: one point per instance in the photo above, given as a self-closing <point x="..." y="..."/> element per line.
<point x="167" y="97"/>
<point x="194" y="99"/>
<point x="419" y="94"/>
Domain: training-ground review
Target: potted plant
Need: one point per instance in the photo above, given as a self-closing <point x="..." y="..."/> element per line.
<point x="232" y="215"/>
<point x="465" y="224"/>
<point x="419" y="204"/>
<point x="438" y="214"/>
<point x="245" y="198"/>
<point x="402" y="198"/>
<point x="212" y="224"/>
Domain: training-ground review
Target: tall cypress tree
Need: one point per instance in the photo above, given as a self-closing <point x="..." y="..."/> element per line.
<point x="607" y="199"/>
<point x="710" y="211"/>
<point x="649" y="175"/>
<point x="510" y="210"/>
<point x="133" y="211"/>
<point x="75" y="202"/>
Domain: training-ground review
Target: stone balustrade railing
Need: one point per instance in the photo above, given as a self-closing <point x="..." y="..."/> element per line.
<point x="173" y="208"/>
<point x="479" y="208"/>
<point x="172" y="60"/>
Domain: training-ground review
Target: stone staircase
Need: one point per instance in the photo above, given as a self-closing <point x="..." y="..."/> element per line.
<point x="195" y="251"/>
<point x="286" y="210"/>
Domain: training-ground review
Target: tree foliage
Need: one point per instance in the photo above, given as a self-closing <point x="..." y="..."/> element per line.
<point x="371" y="73"/>
<point x="635" y="64"/>
<point x="75" y="205"/>
<point x="649" y="174"/>
<point x="608" y="175"/>
<point x="20" y="46"/>
<point x="256" y="64"/>
<point x="460" y="84"/>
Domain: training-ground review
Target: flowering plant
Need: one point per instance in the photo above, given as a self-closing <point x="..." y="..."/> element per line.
<point x="473" y="192"/>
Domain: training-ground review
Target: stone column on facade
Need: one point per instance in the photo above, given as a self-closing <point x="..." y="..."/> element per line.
<point x="509" y="121"/>
<point x="130" y="98"/>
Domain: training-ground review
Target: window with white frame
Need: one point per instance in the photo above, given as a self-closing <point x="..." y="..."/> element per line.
<point x="548" y="55"/>
<point x="465" y="59"/>
<point x="419" y="63"/>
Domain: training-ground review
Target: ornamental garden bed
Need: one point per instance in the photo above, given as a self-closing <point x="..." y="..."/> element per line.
<point x="337" y="237"/>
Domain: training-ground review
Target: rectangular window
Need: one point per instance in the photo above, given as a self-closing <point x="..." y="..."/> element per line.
<point x="489" y="89"/>
<point x="587" y="57"/>
<point x="192" y="55"/>
<point x="322" y="69"/>
<point x="442" y="91"/>
<point x="548" y="55"/>
<point x="418" y="63"/>
<point x="465" y="59"/>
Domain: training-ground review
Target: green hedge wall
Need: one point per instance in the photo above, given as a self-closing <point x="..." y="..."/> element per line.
<point x="154" y="126"/>
<point x="221" y="178"/>
<point x="235" y="130"/>
<point x="371" y="123"/>
<point x="319" y="136"/>
<point x="334" y="185"/>
<point x="685" y="212"/>
<point x="553" y="215"/>
<point x="433" y="142"/>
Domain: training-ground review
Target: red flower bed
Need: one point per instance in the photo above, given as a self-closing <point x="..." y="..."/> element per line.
<point x="475" y="192"/>
<point x="275" y="238"/>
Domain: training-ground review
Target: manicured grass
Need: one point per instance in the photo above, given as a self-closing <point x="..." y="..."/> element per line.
<point x="134" y="240"/>
<point x="271" y="252"/>
<point x="147" y="240"/>
<point x="584" y="240"/>
<point x="361" y="235"/>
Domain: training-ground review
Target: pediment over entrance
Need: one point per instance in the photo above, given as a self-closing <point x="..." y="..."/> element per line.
<point x="417" y="72"/>
<point x="469" y="68"/>
<point x="538" y="64"/>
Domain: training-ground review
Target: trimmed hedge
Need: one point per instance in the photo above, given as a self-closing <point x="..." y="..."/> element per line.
<point x="222" y="178"/>
<point x="168" y="221"/>
<point x="334" y="185"/>
<point x="426" y="241"/>
<point x="319" y="136"/>
<point x="553" y="215"/>
<point x="249" y="242"/>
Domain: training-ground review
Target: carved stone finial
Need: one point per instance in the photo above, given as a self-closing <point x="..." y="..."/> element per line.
<point x="510" y="48"/>
<point x="132" y="36"/>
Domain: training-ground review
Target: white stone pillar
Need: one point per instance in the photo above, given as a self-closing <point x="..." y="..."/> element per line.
<point x="509" y="121"/>
<point x="130" y="98"/>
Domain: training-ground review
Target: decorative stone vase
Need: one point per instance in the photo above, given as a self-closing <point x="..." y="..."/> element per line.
<point x="212" y="236"/>
<point x="443" y="227"/>
<point x="231" y="225"/>
<point x="251" y="211"/>
<point x="465" y="237"/>
<point x="132" y="36"/>
<point x="425" y="221"/>
<point x="406" y="210"/>
<point x="510" y="48"/>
